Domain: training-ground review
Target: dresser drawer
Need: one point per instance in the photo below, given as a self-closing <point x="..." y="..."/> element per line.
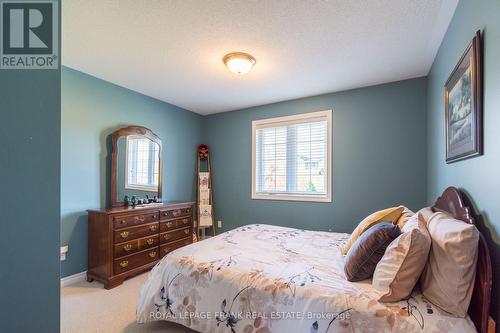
<point x="123" y="221"/>
<point x="184" y="222"/>
<point x="168" y="225"/>
<point x="126" y="235"/>
<point x="174" y="235"/>
<point x="173" y="213"/>
<point x="140" y="244"/>
<point x="166" y="248"/>
<point x="175" y="224"/>
<point x="135" y="260"/>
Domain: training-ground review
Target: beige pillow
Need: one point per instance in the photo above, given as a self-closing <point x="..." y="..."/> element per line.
<point x="403" y="262"/>
<point x="448" y="277"/>
<point x="405" y="216"/>
<point x="386" y="215"/>
<point x="413" y="220"/>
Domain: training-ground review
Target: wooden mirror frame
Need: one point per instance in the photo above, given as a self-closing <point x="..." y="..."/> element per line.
<point x="126" y="131"/>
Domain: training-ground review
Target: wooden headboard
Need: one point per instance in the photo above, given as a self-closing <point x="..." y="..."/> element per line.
<point x="452" y="202"/>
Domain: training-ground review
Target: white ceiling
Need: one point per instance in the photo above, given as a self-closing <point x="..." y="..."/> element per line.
<point x="172" y="50"/>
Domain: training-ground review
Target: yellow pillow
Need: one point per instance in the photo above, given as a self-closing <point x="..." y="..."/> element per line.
<point x="385" y="215"/>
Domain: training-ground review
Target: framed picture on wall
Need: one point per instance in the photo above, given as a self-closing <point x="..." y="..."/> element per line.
<point x="463" y="105"/>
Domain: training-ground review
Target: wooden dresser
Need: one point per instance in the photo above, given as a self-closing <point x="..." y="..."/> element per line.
<point x="126" y="241"/>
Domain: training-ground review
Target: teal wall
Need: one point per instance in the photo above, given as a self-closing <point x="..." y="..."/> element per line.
<point x="379" y="155"/>
<point x="92" y="109"/>
<point x="30" y="127"/>
<point x="480" y="176"/>
<point x="379" y="158"/>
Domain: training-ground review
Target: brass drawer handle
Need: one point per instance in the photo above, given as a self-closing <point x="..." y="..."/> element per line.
<point x="150" y="241"/>
<point x="176" y="212"/>
<point x="127" y="247"/>
<point x="139" y="218"/>
<point x="152" y="228"/>
<point x="124" y="263"/>
<point x="123" y="221"/>
<point x="186" y="231"/>
<point x="153" y="216"/>
<point x="165" y="213"/>
<point x="185" y="221"/>
<point x="152" y="254"/>
<point x="124" y="234"/>
<point x="169" y="224"/>
<point x="166" y="249"/>
<point x="167" y="236"/>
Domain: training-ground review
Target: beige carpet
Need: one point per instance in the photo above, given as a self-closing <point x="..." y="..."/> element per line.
<point x="89" y="308"/>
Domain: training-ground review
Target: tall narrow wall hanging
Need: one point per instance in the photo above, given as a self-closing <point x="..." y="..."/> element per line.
<point x="204" y="194"/>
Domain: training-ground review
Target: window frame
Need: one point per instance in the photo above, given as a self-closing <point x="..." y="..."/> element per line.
<point x="286" y="120"/>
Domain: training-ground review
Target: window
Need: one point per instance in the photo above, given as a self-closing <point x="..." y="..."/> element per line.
<point x="291" y="157"/>
<point x="142" y="164"/>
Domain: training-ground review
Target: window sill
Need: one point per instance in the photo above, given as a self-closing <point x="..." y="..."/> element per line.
<point x="141" y="188"/>
<point x="291" y="197"/>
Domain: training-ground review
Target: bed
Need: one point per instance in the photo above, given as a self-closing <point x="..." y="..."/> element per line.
<point x="262" y="278"/>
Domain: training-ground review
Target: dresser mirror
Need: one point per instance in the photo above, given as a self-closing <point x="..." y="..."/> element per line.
<point x="136" y="167"/>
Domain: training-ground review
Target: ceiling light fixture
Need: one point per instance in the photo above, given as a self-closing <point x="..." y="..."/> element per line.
<point x="239" y="62"/>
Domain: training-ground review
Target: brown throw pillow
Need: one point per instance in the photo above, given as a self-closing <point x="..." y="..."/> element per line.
<point x="368" y="249"/>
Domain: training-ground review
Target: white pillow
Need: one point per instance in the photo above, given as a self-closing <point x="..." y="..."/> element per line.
<point x="448" y="278"/>
<point x="404" y="260"/>
<point x="412" y="221"/>
<point x="405" y="216"/>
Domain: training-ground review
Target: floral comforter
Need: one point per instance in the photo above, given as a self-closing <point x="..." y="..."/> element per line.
<point x="262" y="278"/>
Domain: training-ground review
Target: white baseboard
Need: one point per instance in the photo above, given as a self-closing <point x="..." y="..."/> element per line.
<point x="78" y="277"/>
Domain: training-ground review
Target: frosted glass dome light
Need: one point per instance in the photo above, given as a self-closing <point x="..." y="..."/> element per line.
<point x="239" y="62"/>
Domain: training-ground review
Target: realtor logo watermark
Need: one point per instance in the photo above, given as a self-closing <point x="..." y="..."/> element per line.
<point x="29" y="35"/>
